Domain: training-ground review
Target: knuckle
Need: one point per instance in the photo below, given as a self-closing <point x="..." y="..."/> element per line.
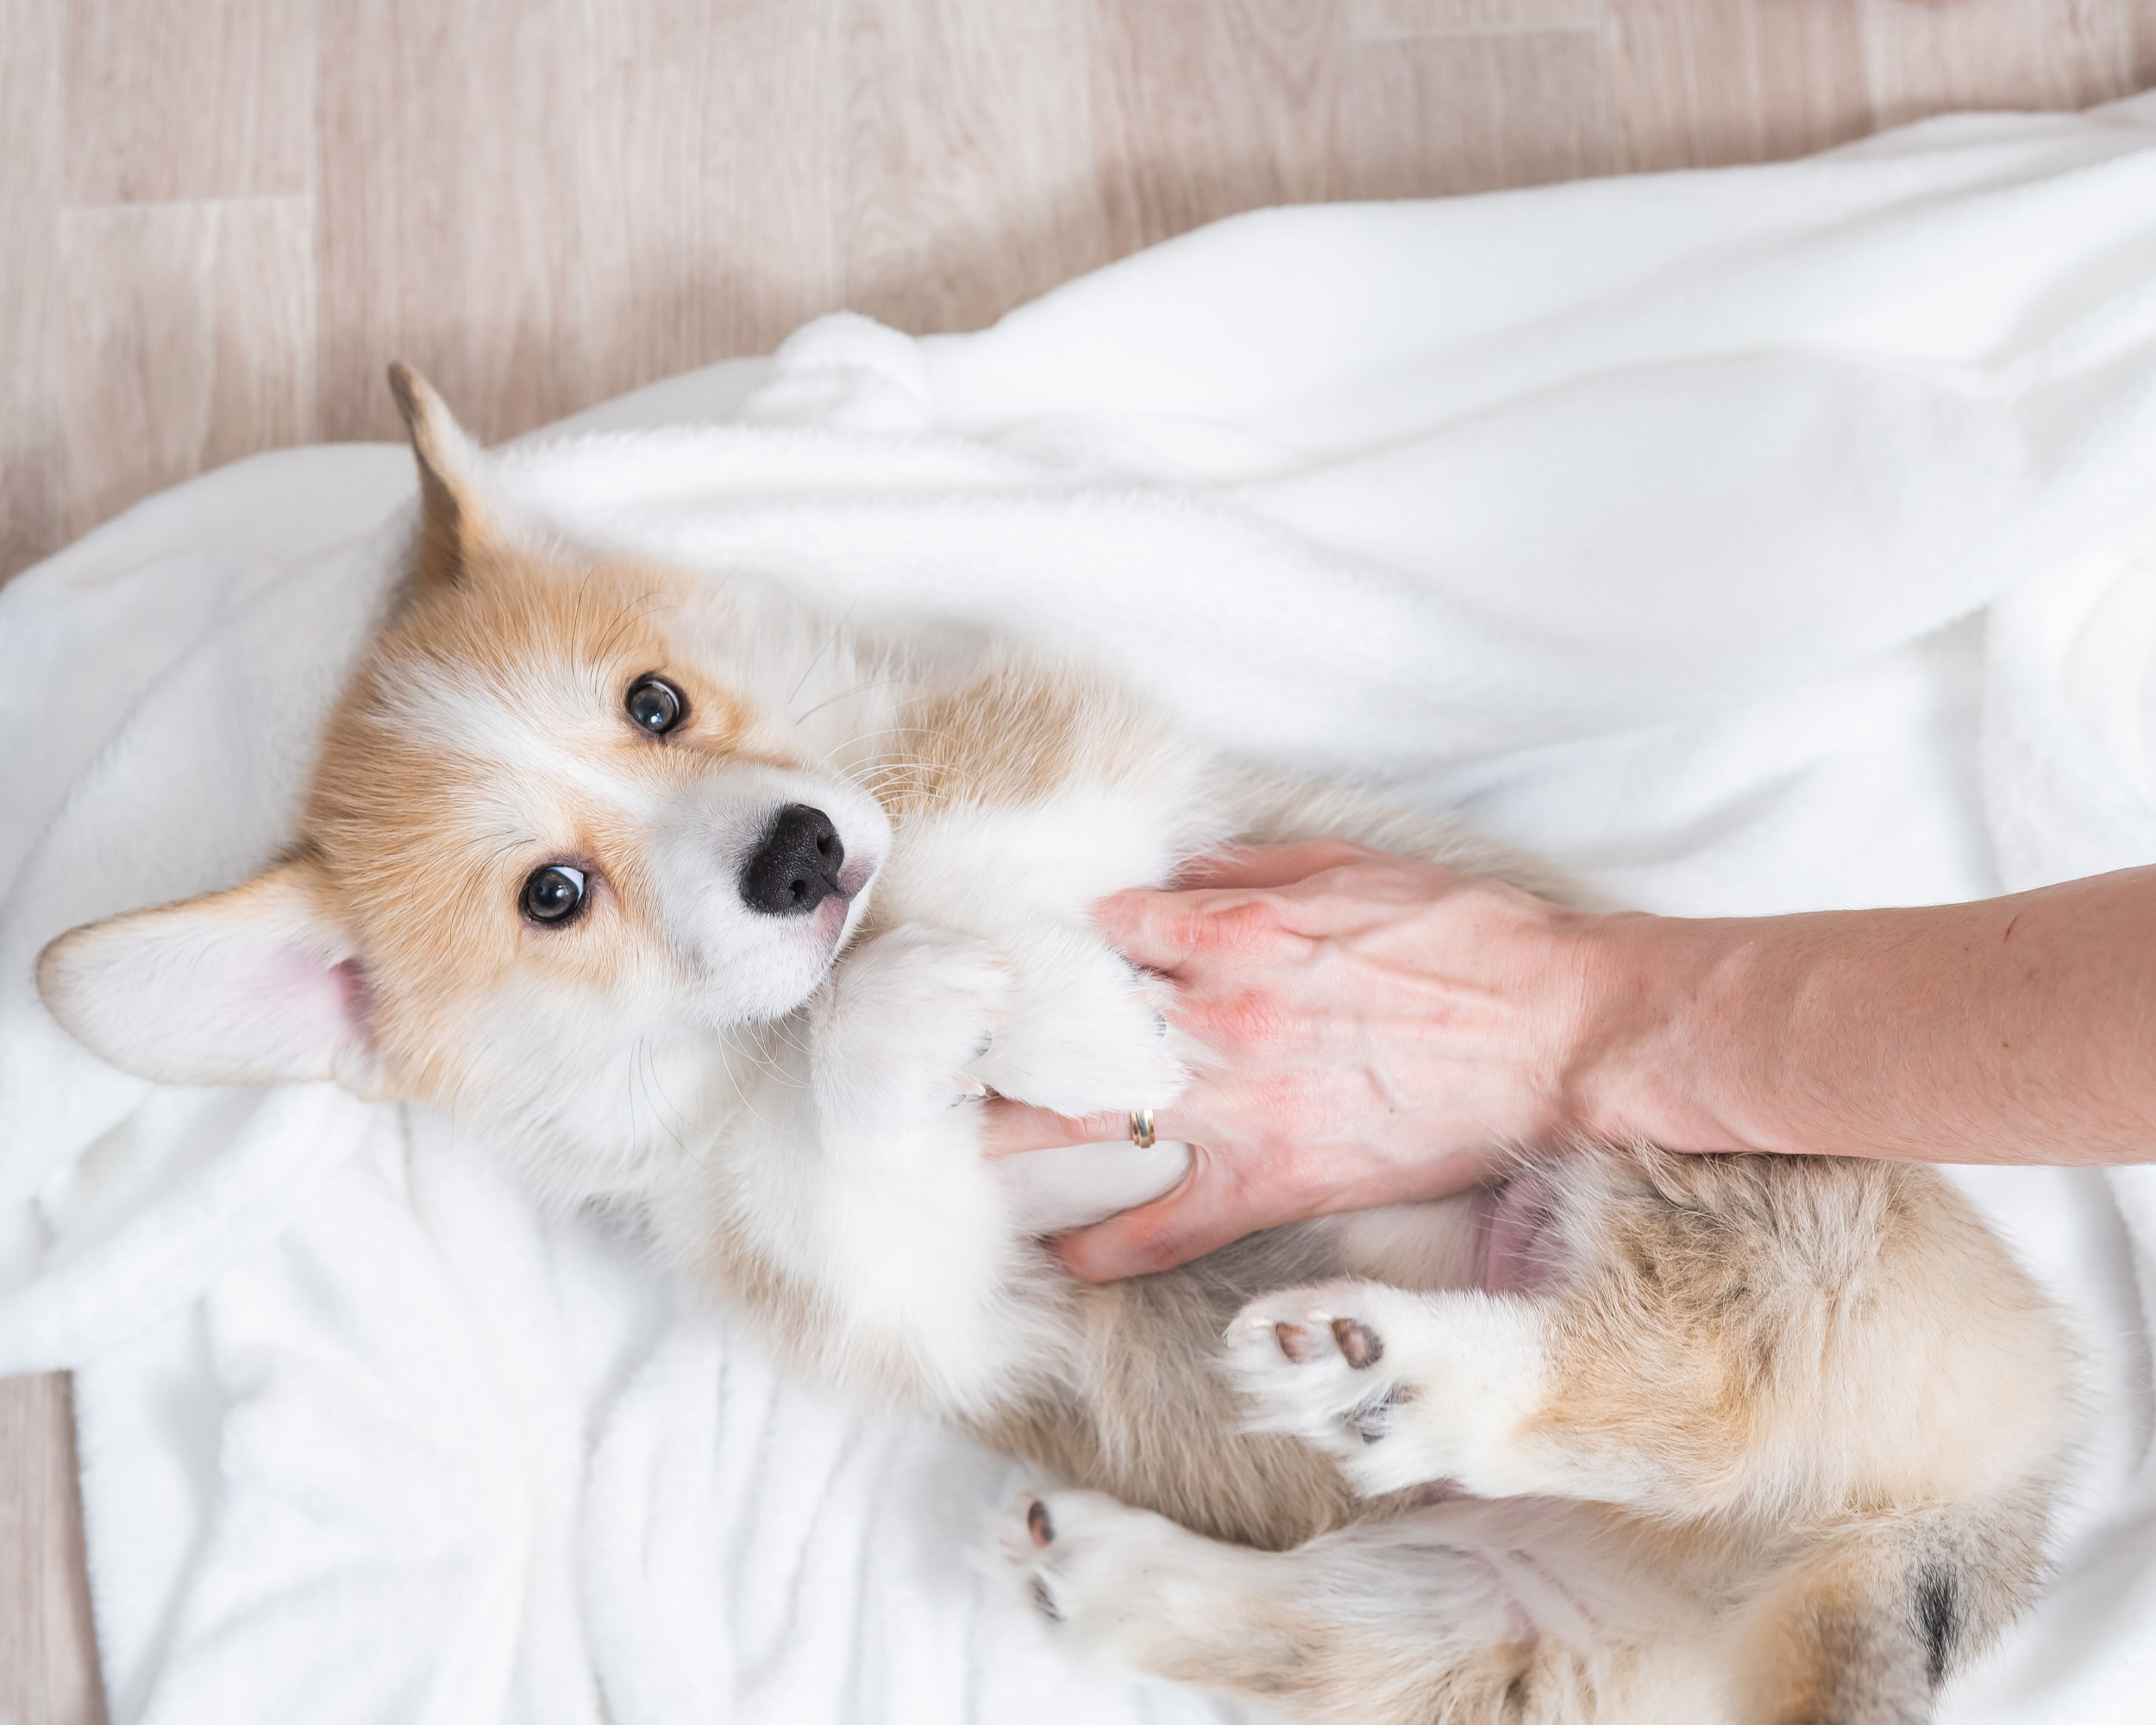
<point x="1338" y="853"/>
<point x="1249" y="925"/>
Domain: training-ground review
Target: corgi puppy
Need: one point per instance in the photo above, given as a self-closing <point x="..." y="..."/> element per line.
<point x="696" y="905"/>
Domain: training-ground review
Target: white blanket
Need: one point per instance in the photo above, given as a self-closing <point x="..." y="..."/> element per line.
<point x="1753" y="540"/>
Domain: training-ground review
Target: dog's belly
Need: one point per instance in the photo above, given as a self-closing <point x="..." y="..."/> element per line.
<point x="1050" y="1190"/>
<point x="1428" y="1247"/>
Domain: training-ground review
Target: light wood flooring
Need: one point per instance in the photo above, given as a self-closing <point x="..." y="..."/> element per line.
<point x="221" y="218"/>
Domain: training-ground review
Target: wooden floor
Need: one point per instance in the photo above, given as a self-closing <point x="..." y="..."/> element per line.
<point x="223" y="216"/>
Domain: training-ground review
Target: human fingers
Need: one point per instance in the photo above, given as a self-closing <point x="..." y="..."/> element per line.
<point x="1268" y="865"/>
<point x="1008" y="1128"/>
<point x="1203" y="1212"/>
<point x="1165" y="931"/>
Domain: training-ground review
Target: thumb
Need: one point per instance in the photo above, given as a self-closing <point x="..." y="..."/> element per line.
<point x="1202" y="1212"/>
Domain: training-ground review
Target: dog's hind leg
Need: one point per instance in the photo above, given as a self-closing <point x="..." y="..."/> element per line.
<point x="1866" y="1630"/>
<point x="1793" y="1339"/>
<point x="1477" y="1618"/>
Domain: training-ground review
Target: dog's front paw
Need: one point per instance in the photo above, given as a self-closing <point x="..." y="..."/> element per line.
<point x="1399" y="1389"/>
<point x="1087" y="1030"/>
<point x="908" y="1018"/>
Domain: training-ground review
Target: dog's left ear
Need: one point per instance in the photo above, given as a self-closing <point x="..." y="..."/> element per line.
<point x="257" y="985"/>
<point x="454" y="523"/>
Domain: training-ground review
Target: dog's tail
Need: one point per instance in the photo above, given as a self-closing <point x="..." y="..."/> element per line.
<point x="1865" y="1632"/>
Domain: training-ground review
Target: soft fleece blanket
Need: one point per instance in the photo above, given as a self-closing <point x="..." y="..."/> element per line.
<point x="1754" y="540"/>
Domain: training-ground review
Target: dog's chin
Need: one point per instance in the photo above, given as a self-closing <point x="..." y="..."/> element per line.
<point x="810" y="949"/>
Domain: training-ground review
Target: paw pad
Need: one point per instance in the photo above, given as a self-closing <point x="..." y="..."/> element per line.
<point x="1359" y="1344"/>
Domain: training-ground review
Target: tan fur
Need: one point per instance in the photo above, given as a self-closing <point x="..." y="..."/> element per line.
<point x="1883" y="1303"/>
<point x="1137" y="1422"/>
<point x="1011" y="736"/>
<point x="453" y="517"/>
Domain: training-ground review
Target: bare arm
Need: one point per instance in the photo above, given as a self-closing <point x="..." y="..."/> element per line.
<point x="1387" y="1026"/>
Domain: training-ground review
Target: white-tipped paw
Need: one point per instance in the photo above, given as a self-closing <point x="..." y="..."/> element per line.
<point x="1399" y="1389"/>
<point x="1082" y="1560"/>
<point x="1087" y="1031"/>
<point x="909" y="1018"/>
<point x="1313" y="1362"/>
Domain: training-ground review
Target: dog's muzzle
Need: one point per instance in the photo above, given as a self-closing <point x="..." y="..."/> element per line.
<point x="795" y="865"/>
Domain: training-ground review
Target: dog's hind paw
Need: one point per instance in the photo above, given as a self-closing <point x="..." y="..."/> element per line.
<point x="1313" y="1362"/>
<point x="1400" y="1389"/>
<point x="1081" y="1560"/>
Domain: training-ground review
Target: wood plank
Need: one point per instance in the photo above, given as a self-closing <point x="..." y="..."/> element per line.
<point x="189" y="98"/>
<point x="1378" y="20"/>
<point x="32" y="77"/>
<point x="189" y="340"/>
<point x="48" y="1667"/>
<point x="967" y="140"/>
<point x="446" y="240"/>
<point x="1424" y="117"/>
<point x="1993" y="55"/>
<point x="705" y="201"/>
<point x="1208" y="107"/>
<point x="2142" y="43"/>
<point x="1700" y="82"/>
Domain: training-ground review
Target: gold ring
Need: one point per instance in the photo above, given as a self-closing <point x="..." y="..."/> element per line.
<point x="1142" y="1128"/>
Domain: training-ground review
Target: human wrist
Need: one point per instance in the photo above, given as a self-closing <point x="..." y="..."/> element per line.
<point x="1651" y="987"/>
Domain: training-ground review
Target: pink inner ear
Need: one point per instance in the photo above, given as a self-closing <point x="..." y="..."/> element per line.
<point x="300" y="1001"/>
<point x="355" y="1000"/>
<point x="245" y="987"/>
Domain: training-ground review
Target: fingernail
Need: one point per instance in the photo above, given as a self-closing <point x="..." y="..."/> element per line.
<point x="973" y="1087"/>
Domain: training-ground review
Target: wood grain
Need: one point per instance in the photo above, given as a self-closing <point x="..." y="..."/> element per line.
<point x="1697" y="83"/>
<point x="706" y="185"/>
<point x="1378" y="20"/>
<point x="1208" y="106"/>
<point x="225" y="216"/>
<point x="32" y="80"/>
<point x="189" y="340"/>
<point x="49" y="1673"/>
<point x="2006" y="53"/>
<point x="213" y="99"/>
<point x="1426" y="115"/>
<point x="447" y="236"/>
<point x="968" y="158"/>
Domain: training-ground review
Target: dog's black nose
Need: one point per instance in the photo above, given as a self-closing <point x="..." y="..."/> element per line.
<point x="796" y="866"/>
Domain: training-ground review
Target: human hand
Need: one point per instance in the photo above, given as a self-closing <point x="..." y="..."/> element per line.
<point x="1386" y="1030"/>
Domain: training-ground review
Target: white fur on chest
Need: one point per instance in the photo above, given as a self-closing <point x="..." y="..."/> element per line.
<point x="989" y="972"/>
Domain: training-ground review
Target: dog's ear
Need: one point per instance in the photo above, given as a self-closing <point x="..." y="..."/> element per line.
<point x="454" y="520"/>
<point x="256" y="985"/>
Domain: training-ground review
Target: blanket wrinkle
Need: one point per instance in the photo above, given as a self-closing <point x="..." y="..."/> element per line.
<point x="1749" y="540"/>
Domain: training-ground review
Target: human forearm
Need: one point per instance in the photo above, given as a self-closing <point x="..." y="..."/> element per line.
<point x="1387" y="1030"/>
<point x="2011" y="1030"/>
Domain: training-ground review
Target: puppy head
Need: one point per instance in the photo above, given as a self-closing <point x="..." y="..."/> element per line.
<point x="563" y="837"/>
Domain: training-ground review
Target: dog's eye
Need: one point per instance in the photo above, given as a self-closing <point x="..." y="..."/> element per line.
<point x="655" y="704"/>
<point x="554" y="894"/>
